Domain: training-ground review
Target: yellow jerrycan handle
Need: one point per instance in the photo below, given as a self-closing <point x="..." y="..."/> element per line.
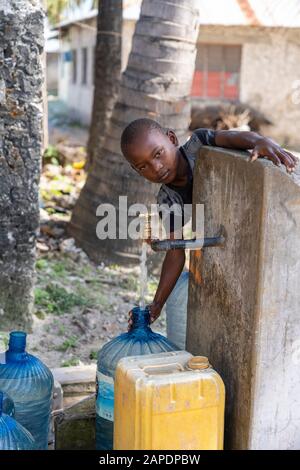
<point x="163" y="368"/>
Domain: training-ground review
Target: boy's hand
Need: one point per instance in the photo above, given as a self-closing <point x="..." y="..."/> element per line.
<point x="155" y="310"/>
<point x="266" y="148"/>
<point x="130" y="321"/>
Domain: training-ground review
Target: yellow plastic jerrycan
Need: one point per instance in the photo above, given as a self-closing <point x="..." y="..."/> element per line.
<point x="168" y="401"/>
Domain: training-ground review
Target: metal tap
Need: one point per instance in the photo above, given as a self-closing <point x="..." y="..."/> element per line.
<point x="192" y="244"/>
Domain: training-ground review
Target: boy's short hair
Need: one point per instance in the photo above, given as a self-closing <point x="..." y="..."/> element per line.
<point x="136" y="127"/>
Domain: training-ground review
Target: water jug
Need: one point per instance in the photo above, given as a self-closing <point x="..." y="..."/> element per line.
<point x="138" y="341"/>
<point x="12" y="435"/>
<point x="29" y="383"/>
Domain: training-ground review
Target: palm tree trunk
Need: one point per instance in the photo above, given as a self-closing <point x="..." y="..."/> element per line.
<point x="107" y="71"/>
<point x="156" y="84"/>
<point x="21" y="37"/>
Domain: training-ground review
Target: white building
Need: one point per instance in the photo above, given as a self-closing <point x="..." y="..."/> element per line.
<point x="77" y="37"/>
<point x="248" y="51"/>
<point x="52" y="49"/>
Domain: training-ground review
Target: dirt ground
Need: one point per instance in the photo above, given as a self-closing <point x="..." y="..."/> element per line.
<point x="80" y="306"/>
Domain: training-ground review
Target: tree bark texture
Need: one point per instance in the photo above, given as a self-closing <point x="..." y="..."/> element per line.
<point x="107" y="71"/>
<point x="21" y="78"/>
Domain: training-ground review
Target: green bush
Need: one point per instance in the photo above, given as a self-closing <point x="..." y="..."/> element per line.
<point x="56" y="299"/>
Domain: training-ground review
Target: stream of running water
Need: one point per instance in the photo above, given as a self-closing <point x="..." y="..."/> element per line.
<point x="143" y="276"/>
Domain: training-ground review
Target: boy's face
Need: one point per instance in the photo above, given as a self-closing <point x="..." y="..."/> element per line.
<point x="154" y="155"/>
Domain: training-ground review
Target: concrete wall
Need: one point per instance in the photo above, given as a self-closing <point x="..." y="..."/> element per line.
<point x="270" y="72"/>
<point x="244" y="297"/>
<point x="270" y="68"/>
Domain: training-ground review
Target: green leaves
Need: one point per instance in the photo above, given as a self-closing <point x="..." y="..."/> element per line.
<point x="56" y="299"/>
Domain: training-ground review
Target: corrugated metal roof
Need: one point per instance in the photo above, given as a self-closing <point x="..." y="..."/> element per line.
<point x="285" y="13"/>
<point x="78" y="17"/>
<point x="131" y="11"/>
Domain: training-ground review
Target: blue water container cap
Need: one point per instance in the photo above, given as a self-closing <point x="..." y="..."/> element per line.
<point x="17" y="341"/>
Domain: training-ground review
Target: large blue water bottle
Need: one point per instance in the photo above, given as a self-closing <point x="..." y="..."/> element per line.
<point x="12" y="435"/>
<point x="138" y="341"/>
<point x="29" y="383"/>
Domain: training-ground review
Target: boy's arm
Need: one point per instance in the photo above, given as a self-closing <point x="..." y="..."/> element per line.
<point x="261" y="147"/>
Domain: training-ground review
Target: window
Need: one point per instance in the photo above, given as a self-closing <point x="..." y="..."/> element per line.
<point x="65" y="57"/>
<point x="217" y="72"/>
<point x="84" y="66"/>
<point x="74" y="71"/>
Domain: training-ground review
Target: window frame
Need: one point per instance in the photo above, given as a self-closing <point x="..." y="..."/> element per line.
<point x="205" y="70"/>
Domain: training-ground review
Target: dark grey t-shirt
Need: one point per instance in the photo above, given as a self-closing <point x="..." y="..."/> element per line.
<point x="181" y="195"/>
